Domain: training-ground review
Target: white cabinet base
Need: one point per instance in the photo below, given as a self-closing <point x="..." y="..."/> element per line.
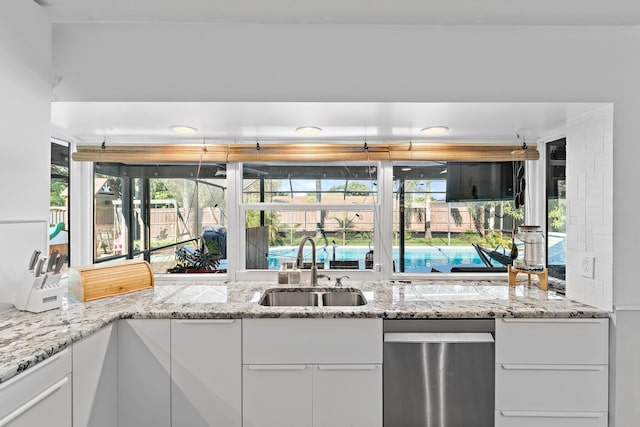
<point x="39" y="397"/>
<point x="347" y="395"/>
<point x="144" y="387"/>
<point x="277" y="396"/>
<point x="206" y="373"/>
<point x="551" y="387"/>
<point x="95" y="379"/>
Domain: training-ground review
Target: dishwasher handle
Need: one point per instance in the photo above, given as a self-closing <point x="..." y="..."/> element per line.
<point x="438" y="337"/>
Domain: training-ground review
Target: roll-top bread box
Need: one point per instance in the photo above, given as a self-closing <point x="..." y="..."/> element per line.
<point x="93" y="282"/>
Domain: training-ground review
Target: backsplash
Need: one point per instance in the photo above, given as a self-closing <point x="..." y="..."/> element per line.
<point x="590" y="206"/>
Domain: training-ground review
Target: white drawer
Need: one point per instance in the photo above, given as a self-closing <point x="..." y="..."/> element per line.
<point x="553" y="341"/>
<point x="552" y="387"/>
<point x="550" y="419"/>
<point x="48" y="374"/>
<point x="306" y="341"/>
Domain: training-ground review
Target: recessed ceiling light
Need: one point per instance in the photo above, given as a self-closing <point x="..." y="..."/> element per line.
<point x="406" y="169"/>
<point x="434" y="130"/>
<point x="308" y="130"/>
<point x="183" y="130"/>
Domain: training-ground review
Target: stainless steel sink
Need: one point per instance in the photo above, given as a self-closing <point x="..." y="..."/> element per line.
<point x="312" y="297"/>
<point x="275" y="297"/>
<point x="343" y="298"/>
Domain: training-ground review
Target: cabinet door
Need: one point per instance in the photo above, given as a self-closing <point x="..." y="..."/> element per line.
<point x="347" y="395"/>
<point x="521" y="387"/>
<point x="49" y="407"/>
<point x="550" y="419"/>
<point x="277" y="396"/>
<point x="144" y="388"/>
<point x="553" y="341"/>
<point x="206" y="373"/>
<point x="95" y="375"/>
<point x="40" y="396"/>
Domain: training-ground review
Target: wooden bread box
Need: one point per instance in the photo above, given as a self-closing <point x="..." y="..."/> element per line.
<point x="93" y="282"/>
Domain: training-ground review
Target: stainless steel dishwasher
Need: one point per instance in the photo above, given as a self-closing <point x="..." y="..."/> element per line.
<point x="439" y="373"/>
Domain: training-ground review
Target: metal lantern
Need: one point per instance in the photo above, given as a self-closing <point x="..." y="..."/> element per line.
<point x="533" y="238"/>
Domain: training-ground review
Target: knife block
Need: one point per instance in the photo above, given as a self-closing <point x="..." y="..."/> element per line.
<point x="36" y="298"/>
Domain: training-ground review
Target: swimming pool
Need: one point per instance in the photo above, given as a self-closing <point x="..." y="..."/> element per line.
<point x="418" y="259"/>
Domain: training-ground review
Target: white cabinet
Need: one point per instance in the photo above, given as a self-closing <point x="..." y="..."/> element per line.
<point x="40" y="396"/>
<point x="312" y="341"/>
<point x="277" y="396"/>
<point x="144" y="388"/>
<point x="552" y="341"/>
<point x="206" y="373"/>
<point x="551" y="372"/>
<point x="95" y="379"/>
<point x="552" y="387"/>
<point x="347" y="395"/>
<point x="312" y="372"/>
<point x="312" y="395"/>
<point x="550" y="419"/>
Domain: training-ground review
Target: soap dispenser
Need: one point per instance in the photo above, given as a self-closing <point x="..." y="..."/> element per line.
<point x="283" y="276"/>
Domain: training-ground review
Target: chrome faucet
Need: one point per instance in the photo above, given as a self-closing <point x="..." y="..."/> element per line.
<point x="300" y="257"/>
<point x="339" y="280"/>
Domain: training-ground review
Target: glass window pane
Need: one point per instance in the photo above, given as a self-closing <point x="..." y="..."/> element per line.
<point x="433" y="235"/>
<point x="556" y="208"/>
<point x="140" y="242"/>
<point x="59" y="201"/>
<point x="176" y="214"/>
<point x="187" y="224"/>
<point x="311" y="183"/>
<point x="342" y="237"/>
<point x="109" y="226"/>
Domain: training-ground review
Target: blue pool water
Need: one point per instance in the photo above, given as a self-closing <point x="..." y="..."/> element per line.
<point x="417" y="258"/>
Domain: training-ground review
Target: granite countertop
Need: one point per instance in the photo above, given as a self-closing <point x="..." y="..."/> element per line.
<point x="28" y="338"/>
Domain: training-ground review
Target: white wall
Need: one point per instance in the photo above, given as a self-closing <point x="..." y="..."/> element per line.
<point x="590" y="206"/>
<point x="203" y="62"/>
<point x="25" y="116"/>
<point x="25" y="110"/>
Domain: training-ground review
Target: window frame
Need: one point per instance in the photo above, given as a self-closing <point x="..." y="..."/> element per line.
<point x="122" y="171"/>
<point x="241" y="272"/>
<point x="235" y="211"/>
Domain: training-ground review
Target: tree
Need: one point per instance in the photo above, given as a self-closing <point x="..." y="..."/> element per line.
<point x="345" y="223"/>
<point x="271" y="220"/>
<point x="159" y="190"/>
<point x="354" y="188"/>
<point x="557" y="213"/>
<point x="59" y="183"/>
<point x="483" y="215"/>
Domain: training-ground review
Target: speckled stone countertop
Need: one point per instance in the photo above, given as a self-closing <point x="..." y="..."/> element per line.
<point x="28" y="338"/>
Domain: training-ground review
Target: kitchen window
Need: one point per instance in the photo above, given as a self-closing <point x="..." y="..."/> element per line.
<point x="335" y="205"/>
<point x="380" y="219"/>
<point x="173" y="216"/>
<point x="453" y="216"/>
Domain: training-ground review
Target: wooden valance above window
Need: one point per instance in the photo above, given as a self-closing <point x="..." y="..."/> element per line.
<point x="303" y="152"/>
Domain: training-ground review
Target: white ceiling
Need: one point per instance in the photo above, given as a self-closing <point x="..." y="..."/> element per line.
<point x="403" y="12"/>
<point x="148" y="122"/>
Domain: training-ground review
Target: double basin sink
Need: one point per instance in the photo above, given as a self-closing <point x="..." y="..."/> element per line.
<point x="312" y="297"/>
